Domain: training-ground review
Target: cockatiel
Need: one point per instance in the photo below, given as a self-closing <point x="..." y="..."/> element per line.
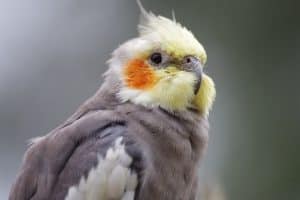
<point x="141" y="136"/>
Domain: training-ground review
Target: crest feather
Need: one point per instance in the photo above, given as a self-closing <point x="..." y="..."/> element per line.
<point x="169" y="34"/>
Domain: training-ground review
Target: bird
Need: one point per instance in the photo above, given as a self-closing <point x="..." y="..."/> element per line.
<point x="141" y="136"/>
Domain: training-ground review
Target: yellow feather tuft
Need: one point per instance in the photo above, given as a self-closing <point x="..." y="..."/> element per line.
<point x="170" y="36"/>
<point x="174" y="91"/>
<point x="206" y="95"/>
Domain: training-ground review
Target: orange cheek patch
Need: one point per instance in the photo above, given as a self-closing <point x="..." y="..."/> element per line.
<point x="139" y="75"/>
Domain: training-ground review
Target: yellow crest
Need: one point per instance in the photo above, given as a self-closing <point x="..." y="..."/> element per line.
<point x="176" y="39"/>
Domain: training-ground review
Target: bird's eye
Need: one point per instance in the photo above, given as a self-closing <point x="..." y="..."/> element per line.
<point x="188" y="60"/>
<point x="156" y="58"/>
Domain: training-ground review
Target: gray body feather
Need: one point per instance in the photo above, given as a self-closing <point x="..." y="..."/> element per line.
<point x="165" y="147"/>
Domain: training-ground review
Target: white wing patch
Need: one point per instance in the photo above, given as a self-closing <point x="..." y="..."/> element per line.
<point x="111" y="179"/>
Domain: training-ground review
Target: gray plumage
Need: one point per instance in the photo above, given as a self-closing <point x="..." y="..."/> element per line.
<point x="165" y="147"/>
<point x="140" y="137"/>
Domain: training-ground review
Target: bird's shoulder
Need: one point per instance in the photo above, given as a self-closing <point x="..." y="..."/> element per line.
<point x="96" y="143"/>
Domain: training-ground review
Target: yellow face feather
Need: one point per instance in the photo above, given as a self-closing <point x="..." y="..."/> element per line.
<point x="168" y="86"/>
<point x="206" y="95"/>
<point x="174" y="90"/>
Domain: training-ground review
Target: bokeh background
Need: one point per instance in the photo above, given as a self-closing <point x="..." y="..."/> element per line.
<point x="53" y="52"/>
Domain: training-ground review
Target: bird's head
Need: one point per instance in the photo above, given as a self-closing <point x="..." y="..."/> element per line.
<point x="163" y="67"/>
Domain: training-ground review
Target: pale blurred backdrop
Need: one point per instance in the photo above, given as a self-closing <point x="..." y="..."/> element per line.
<point x="53" y="52"/>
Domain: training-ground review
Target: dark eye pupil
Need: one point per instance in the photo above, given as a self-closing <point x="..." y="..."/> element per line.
<point x="156" y="58"/>
<point x="188" y="60"/>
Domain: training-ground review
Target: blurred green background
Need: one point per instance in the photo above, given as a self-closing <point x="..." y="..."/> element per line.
<point x="53" y="52"/>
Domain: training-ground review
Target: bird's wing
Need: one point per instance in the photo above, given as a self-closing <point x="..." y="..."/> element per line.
<point x="91" y="158"/>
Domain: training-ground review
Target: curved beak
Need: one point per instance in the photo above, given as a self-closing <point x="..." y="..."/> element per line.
<point x="197" y="70"/>
<point x="198" y="74"/>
